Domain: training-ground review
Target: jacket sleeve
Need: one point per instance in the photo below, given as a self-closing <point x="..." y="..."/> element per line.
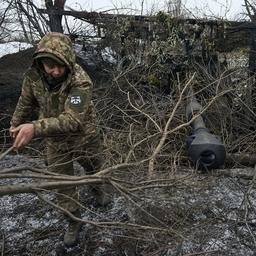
<point x="26" y="103"/>
<point x="75" y="114"/>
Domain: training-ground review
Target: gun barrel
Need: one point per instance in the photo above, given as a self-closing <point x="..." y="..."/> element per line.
<point x="204" y="149"/>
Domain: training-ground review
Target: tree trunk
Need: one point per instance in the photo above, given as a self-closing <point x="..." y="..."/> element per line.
<point x="54" y="14"/>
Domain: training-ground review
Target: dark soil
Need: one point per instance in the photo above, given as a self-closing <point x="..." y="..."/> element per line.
<point x="12" y="68"/>
<point x="205" y="215"/>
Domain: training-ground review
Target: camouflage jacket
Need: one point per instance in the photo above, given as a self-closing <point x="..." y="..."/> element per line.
<point x="67" y="110"/>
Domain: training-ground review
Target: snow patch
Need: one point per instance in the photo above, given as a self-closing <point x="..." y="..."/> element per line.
<point x="13" y="47"/>
<point x="108" y="55"/>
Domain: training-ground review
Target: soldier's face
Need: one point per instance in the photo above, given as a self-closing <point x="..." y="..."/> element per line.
<point x="54" y="69"/>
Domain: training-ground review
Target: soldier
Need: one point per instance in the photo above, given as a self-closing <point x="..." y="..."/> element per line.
<point x="62" y="92"/>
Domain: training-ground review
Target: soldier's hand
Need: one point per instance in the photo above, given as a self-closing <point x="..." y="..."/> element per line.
<point x="12" y="134"/>
<point x="24" y="133"/>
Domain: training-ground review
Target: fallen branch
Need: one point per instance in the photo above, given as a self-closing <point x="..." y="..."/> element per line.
<point x="107" y="224"/>
<point x="242" y="158"/>
<point x="32" y="187"/>
<point x="202" y="253"/>
<point x="45" y="177"/>
<point x="247" y="173"/>
<point x="26" y="168"/>
<point x="165" y="131"/>
<point x="126" y="194"/>
<point x="3" y="245"/>
<point x="6" y="153"/>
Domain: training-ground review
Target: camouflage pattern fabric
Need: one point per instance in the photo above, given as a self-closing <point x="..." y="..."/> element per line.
<point x="60" y="160"/>
<point x="67" y="117"/>
<point x="67" y="110"/>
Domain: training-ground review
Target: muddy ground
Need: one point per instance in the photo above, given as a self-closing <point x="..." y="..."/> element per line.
<point x="204" y="214"/>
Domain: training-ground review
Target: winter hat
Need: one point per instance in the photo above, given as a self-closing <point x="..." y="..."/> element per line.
<point x="48" y="55"/>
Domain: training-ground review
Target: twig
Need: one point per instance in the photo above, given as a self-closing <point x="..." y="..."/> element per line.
<point x="39" y="176"/>
<point x="26" y="168"/>
<point x="3" y="245"/>
<point x="200" y="253"/>
<point x="165" y="131"/>
<point x="247" y="173"/>
<point x="118" y="167"/>
<point x="118" y="225"/>
<point x="125" y="193"/>
<point x="30" y="188"/>
<point x="246" y="202"/>
<point x="137" y="144"/>
<point x="151" y="182"/>
<point x="145" y="114"/>
<point x="6" y="153"/>
<point x="133" y="119"/>
<point x="73" y="200"/>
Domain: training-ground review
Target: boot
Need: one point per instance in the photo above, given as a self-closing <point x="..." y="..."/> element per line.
<point x="102" y="194"/>
<point x="72" y="234"/>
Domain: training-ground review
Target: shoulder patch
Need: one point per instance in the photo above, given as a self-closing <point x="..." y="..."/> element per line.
<point x="78" y="99"/>
<point x="32" y="74"/>
<point x="75" y="100"/>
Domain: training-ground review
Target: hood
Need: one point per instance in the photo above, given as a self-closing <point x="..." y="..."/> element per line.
<point x="59" y="45"/>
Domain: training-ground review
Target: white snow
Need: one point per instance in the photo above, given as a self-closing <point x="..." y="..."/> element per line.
<point x="108" y="55"/>
<point x="89" y="54"/>
<point x="12" y="47"/>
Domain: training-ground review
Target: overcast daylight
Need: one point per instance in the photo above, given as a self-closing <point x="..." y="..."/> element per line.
<point x="220" y="8"/>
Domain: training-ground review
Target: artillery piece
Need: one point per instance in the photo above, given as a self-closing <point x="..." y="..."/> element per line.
<point x="204" y="149"/>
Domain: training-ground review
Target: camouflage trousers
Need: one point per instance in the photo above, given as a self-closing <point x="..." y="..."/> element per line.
<point x="60" y="158"/>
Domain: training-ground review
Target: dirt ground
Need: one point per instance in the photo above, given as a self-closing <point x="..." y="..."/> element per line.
<point x="203" y="214"/>
<point x="12" y="68"/>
